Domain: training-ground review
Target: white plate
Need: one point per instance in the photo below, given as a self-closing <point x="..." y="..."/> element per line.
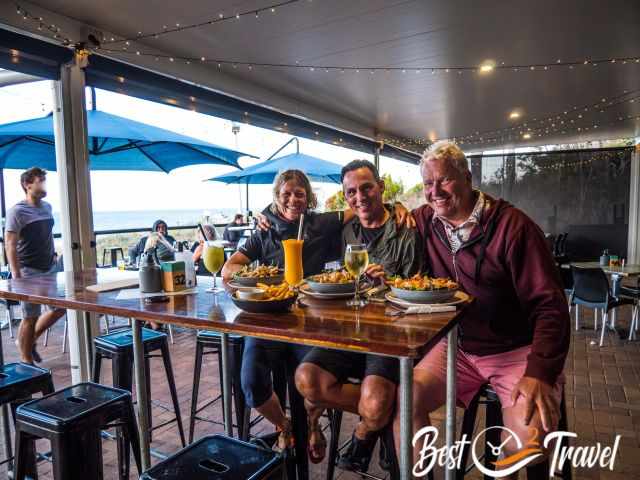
<point x="328" y="296"/>
<point x="459" y="297"/>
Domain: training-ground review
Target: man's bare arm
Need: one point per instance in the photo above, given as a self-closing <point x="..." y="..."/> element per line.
<point x="233" y="265"/>
<point x="11" y="246"/>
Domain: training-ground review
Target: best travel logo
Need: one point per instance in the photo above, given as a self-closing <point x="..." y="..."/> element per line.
<point x="591" y="456"/>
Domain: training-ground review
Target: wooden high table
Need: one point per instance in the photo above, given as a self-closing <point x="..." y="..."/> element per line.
<point x="328" y="324"/>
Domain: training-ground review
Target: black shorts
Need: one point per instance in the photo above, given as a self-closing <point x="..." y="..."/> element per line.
<point x="346" y="365"/>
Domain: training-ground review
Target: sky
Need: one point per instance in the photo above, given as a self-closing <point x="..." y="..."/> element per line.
<point x="183" y="188"/>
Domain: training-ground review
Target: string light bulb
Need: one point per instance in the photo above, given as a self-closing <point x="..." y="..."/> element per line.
<point x="487" y="67"/>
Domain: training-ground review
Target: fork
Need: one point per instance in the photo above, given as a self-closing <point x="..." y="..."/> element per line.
<point x="397" y="312"/>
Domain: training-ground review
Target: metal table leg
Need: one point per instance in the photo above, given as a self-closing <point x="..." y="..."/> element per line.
<point x="141" y="392"/>
<point x="616" y="281"/>
<point x="406" y="415"/>
<point x="226" y="383"/>
<point x="450" y="425"/>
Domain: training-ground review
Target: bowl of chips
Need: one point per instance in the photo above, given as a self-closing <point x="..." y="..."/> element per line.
<point x="266" y="274"/>
<point x="276" y="298"/>
<point x="423" y="289"/>
<point x="338" y="281"/>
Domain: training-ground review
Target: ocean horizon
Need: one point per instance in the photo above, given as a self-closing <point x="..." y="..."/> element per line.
<point x="114" y="220"/>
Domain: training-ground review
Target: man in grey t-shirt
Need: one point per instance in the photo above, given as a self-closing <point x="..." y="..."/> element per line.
<point x="30" y="251"/>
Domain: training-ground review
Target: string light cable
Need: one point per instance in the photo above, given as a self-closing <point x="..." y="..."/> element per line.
<point x="557" y="123"/>
<point x="484" y="68"/>
<point x="374" y="69"/>
<point x="221" y="17"/>
<point x="568" y="115"/>
<point x="44" y="26"/>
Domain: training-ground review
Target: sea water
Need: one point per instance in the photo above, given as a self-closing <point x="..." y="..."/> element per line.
<point x="144" y="218"/>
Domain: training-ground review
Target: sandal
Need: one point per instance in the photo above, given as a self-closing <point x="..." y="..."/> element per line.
<point x="318" y="445"/>
<point x="286" y="440"/>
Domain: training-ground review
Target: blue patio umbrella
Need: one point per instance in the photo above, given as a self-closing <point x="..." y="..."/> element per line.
<point x="115" y="143"/>
<point x="316" y="169"/>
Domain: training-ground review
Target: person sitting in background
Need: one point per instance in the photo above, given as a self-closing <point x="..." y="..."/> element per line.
<point x="198" y="247"/>
<point x="164" y="253"/>
<point x="234" y="236"/>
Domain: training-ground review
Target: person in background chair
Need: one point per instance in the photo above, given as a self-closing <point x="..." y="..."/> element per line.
<point x="198" y="247"/>
<point x="234" y="236"/>
<point x="164" y="253"/>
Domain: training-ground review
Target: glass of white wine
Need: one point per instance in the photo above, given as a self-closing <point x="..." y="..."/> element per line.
<point x="213" y="259"/>
<point x="356" y="260"/>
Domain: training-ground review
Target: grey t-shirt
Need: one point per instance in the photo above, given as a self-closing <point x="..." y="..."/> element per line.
<point x="34" y="227"/>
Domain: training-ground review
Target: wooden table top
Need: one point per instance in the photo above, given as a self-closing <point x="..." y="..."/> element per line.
<point x="322" y="323"/>
<point x="626" y="271"/>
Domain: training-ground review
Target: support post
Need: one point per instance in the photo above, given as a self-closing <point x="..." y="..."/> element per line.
<point x="376" y="155"/>
<point x="5" y="426"/>
<point x="247" y="186"/>
<point x="633" y="247"/>
<point x="72" y="162"/>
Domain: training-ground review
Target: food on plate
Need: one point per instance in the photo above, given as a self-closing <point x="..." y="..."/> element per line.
<point x="337" y="276"/>
<point x="260" y="271"/>
<point x="422" y="282"/>
<point x="275" y="292"/>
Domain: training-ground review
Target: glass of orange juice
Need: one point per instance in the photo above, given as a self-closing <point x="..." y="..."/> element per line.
<point x="293" y="271"/>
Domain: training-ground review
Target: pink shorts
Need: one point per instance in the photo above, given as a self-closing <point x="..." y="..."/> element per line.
<point x="503" y="371"/>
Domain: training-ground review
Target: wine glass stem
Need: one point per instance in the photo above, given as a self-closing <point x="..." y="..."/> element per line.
<point x="214" y="281"/>
<point x="357" y="297"/>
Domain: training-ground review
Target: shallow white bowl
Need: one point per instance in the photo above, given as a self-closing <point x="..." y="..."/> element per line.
<point x="250" y="293"/>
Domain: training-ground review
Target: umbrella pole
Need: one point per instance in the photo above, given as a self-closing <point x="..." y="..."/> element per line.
<point x="3" y="205"/>
<point x="294" y="139"/>
<point x="247" y="196"/>
<point x="3" y="213"/>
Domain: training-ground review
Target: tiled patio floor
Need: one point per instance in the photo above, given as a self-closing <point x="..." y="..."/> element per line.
<point x="602" y="394"/>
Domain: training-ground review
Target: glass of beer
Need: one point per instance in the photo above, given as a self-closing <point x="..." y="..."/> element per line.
<point x="213" y="259"/>
<point x="356" y="260"/>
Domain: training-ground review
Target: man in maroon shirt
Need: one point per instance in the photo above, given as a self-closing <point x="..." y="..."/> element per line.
<point x="515" y="336"/>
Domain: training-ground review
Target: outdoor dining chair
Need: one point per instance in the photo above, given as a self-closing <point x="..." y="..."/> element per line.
<point x="633" y="292"/>
<point x="591" y="290"/>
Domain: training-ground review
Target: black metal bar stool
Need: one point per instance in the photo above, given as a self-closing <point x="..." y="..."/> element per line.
<point x="18" y="382"/>
<point x="71" y="419"/>
<point x="386" y="445"/>
<point x="208" y="343"/>
<point x="487" y="396"/>
<point x="118" y="347"/>
<point x="217" y="457"/>
<point x="113" y="252"/>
